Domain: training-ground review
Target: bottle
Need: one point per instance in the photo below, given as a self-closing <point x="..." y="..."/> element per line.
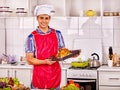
<point x="110" y="53"/>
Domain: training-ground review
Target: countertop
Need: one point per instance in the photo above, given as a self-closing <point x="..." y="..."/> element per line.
<point x="27" y="66"/>
<point x="16" y="66"/>
<point x="106" y="68"/>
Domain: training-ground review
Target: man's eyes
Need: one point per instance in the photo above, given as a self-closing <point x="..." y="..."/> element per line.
<point x="44" y="18"/>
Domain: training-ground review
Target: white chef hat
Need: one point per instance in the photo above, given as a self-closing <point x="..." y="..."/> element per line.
<point x="44" y="9"/>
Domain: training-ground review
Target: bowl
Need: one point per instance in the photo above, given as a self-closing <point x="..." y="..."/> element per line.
<point x="21" y="14"/>
<point x="5" y="13"/>
<point x="4" y="8"/>
<point x="90" y="13"/>
<point x="20" y="9"/>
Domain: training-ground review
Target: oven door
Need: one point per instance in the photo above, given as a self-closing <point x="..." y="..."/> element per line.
<point x="86" y="84"/>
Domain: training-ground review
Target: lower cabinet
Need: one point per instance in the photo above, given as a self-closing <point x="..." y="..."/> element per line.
<point x="23" y="74"/>
<point x="63" y="78"/>
<point x="108" y="88"/>
<point x="4" y="72"/>
<point x="109" y="80"/>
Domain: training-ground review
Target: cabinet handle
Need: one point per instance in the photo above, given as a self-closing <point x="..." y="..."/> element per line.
<point x="15" y="73"/>
<point x="114" y="78"/>
<point x="8" y="73"/>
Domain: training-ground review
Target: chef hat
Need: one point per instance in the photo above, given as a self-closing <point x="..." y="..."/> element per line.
<point x="44" y="9"/>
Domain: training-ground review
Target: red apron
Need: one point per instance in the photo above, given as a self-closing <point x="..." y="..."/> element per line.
<point x="46" y="76"/>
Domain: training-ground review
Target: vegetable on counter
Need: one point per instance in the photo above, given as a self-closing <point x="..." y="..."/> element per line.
<point x="9" y="83"/>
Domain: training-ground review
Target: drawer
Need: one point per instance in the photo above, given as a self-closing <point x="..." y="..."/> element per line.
<point x="108" y="88"/>
<point x="109" y="78"/>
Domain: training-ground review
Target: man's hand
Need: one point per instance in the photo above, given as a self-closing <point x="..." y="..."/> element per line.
<point x="49" y="61"/>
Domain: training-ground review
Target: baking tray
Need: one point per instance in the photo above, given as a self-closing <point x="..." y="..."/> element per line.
<point x="73" y="53"/>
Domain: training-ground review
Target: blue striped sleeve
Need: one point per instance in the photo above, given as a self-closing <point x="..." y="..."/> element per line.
<point x="61" y="43"/>
<point x="29" y="44"/>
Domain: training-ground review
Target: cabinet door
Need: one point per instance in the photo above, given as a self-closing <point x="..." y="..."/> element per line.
<point x="63" y="78"/>
<point x="108" y="88"/>
<point x="24" y="76"/>
<point x="5" y="72"/>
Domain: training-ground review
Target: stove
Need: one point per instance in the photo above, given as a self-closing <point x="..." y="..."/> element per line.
<point x="86" y="77"/>
<point x="82" y="73"/>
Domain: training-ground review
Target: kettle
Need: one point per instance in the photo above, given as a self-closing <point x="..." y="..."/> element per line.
<point x="94" y="63"/>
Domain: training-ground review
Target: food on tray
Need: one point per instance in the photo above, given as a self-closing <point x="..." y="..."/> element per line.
<point x="9" y="83"/>
<point x="63" y="52"/>
<point x="71" y="86"/>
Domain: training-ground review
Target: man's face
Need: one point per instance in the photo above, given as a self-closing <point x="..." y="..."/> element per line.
<point x="43" y="20"/>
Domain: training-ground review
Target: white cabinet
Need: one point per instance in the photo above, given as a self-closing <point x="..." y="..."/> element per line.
<point x="109" y="80"/>
<point x="63" y="78"/>
<point x="5" y="72"/>
<point x="108" y="88"/>
<point x="23" y="74"/>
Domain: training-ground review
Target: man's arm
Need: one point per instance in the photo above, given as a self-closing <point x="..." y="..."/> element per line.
<point x="34" y="61"/>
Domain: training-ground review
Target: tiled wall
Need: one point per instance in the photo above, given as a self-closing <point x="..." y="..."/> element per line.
<point x="94" y="32"/>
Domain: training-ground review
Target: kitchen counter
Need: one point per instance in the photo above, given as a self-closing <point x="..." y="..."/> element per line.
<point x="106" y="68"/>
<point x="27" y="66"/>
<point x="15" y="66"/>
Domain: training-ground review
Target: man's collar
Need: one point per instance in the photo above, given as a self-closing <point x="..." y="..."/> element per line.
<point x="39" y="31"/>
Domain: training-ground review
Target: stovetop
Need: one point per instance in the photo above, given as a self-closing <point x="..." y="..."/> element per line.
<point x="84" y="68"/>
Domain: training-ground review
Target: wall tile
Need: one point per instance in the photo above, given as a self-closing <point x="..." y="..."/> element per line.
<point x="88" y="46"/>
<point x="2" y="41"/>
<point x="116" y="24"/>
<point x="12" y="23"/>
<point x="107" y="37"/>
<point x="107" y="22"/>
<point x="28" y="22"/>
<point x="116" y="38"/>
<point x="2" y="23"/>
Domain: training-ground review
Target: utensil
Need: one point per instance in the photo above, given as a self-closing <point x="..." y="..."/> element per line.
<point x="110" y="53"/>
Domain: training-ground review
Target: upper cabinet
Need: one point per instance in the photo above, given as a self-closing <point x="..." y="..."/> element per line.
<point x="62" y="7"/>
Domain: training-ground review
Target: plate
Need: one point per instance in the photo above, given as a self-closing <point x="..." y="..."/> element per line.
<point x="72" y="54"/>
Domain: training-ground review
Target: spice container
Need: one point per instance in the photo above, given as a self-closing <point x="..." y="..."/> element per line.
<point x="111" y="14"/>
<point x="106" y="13"/>
<point x="118" y="13"/>
<point x="115" y="13"/>
<point x="20" y="12"/>
<point x="20" y="9"/>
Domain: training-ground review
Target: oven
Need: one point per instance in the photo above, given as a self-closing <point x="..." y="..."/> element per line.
<point x="87" y="79"/>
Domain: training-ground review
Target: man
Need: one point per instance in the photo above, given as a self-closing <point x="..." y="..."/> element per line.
<point x="41" y="44"/>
